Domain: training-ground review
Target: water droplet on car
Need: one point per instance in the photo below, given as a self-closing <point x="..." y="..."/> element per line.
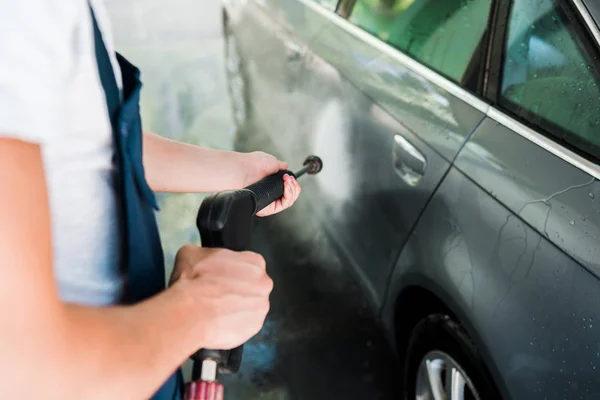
<point x="592" y="195"/>
<point x="572" y="222"/>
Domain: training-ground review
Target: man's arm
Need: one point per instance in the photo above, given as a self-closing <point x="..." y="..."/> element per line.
<point x="172" y="166"/>
<point x="177" y="167"/>
<point x="218" y="300"/>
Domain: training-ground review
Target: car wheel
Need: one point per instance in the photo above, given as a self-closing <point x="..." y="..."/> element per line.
<point x="237" y="79"/>
<point x="442" y="363"/>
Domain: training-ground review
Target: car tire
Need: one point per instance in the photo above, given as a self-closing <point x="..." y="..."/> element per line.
<point x="237" y="78"/>
<point x="443" y="363"/>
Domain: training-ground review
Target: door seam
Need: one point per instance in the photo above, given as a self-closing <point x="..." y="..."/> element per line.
<point x="418" y="219"/>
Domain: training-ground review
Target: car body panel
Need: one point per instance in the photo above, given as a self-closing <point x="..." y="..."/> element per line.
<point x="322" y="113"/>
<point x="273" y="37"/>
<point x="530" y="308"/>
<point x="506" y="237"/>
<point x="371" y="208"/>
<point x="368" y="207"/>
<point x="558" y="200"/>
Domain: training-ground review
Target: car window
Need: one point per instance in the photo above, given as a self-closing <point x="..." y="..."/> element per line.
<point x="550" y="75"/>
<point x="443" y="34"/>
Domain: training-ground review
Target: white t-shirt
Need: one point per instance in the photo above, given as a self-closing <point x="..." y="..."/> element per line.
<point x="50" y="93"/>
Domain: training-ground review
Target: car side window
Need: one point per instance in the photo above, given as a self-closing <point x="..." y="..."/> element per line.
<point x="550" y="76"/>
<point x="446" y="35"/>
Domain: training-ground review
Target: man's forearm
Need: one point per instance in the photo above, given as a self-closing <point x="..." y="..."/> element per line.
<point x="120" y="352"/>
<point x="172" y="166"/>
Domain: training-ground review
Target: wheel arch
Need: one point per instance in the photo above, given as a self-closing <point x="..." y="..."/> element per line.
<point x="420" y="296"/>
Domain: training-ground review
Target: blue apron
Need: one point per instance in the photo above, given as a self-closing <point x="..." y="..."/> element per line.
<point x="141" y="251"/>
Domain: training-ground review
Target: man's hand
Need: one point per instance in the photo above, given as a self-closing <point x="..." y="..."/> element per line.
<point x="258" y="165"/>
<point x="229" y="290"/>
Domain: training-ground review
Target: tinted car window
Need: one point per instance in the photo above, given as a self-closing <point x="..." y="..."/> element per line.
<point x="550" y="73"/>
<point x="443" y="34"/>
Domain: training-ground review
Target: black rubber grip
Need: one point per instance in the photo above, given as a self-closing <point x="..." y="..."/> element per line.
<point x="268" y="189"/>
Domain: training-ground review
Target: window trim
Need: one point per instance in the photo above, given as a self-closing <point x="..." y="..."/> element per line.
<point x="493" y="71"/>
<point x="344" y="8"/>
<point x="562" y="136"/>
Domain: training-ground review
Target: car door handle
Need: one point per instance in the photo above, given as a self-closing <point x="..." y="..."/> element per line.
<point x="409" y="163"/>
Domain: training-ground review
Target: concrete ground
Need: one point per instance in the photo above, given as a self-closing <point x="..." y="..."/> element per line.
<point x="320" y="340"/>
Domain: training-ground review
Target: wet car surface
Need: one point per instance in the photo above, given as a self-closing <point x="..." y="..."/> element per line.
<point x="461" y="173"/>
<point x="321" y="339"/>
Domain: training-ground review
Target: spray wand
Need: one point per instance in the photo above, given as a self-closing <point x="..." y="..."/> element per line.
<point x="225" y="221"/>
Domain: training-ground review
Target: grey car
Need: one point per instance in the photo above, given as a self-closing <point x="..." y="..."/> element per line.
<point x="461" y="143"/>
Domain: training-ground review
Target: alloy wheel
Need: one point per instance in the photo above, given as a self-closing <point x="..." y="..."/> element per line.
<point x="441" y="378"/>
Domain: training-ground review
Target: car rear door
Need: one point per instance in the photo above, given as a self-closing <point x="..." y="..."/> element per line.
<point x="387" y="126"/>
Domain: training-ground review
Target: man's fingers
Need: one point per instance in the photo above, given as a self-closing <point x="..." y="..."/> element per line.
<point x="297" y="189"/>
<point x="291" y="192"/>
<point x="295" y="192"/>
<point x="254" y="259"/>
<point x="282" y="165"/>
<point x="288" y="192"/>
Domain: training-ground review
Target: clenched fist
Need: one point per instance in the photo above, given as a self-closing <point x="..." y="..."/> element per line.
<point x="230" y="291"/>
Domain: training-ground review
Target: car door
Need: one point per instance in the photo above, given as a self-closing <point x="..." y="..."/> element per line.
<point x="273" y="38"/>
<point x="386" y="125"/>
<point x="536" y="154"/>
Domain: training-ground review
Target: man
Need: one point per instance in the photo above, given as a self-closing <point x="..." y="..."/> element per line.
<point x="84" y="314"/>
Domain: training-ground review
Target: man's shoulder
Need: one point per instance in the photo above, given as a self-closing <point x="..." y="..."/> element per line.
<point x="60" y="14"/>
<point x="39" y="42"/>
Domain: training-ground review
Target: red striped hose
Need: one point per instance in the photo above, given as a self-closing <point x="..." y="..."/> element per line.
<point x="202" y="390"/>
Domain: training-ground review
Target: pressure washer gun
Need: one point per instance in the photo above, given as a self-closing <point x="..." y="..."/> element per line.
<point x="225" y="220"/>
